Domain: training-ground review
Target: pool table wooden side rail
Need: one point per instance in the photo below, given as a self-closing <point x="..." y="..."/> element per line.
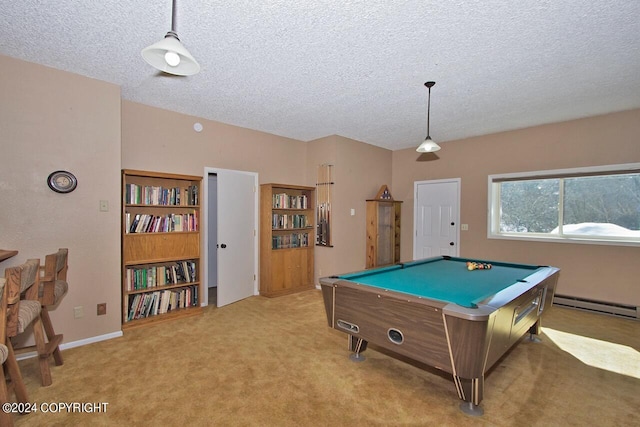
<point x="374" y="313"/>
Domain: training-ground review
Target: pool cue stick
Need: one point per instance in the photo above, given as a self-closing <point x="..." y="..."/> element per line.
<point x="324" y="204"/>
<point x="329" y="180"/>
<point x="320" y="206"/>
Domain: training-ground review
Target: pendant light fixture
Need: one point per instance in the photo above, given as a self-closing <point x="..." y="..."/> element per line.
<point x="428" y="146"/>
<point x="169" y="55"/>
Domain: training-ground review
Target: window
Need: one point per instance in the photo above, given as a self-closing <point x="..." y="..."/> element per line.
<point x="588" y="205"/>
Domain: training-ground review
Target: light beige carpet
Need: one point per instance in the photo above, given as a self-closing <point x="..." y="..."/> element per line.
<point x="275" y="362"/>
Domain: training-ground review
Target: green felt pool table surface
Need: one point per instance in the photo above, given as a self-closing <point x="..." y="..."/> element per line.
<point x="446" y="279"/>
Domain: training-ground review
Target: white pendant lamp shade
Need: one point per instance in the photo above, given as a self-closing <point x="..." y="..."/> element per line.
<point x="428" y="146"/>
<point x="170" y="56"/>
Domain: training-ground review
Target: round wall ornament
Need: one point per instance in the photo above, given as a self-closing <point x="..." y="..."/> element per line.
<point x="62" y="181"/>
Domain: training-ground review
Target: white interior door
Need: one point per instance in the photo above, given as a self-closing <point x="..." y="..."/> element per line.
<point x="212" y="231"/>
<point x="237" y="235"/>
<point x="436" y="218"/>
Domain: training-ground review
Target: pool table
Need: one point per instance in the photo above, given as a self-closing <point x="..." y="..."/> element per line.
<point x="438" y="312"/>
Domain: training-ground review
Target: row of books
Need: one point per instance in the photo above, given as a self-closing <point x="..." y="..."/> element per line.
<point x="138" y="278"/>
<point x="147" y="223"/>
<point x="285" y="201"/>
<point x="160" y="302"/>
<point x="294" y="240"/>
<point x="289" y="221"/>
<point x="161" y="196"/>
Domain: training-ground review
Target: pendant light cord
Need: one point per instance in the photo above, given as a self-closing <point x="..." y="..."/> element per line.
<point x="173" y="16"/>
<point x="173" y="32"/>
<point x="428" y="110"/>
<point x="429" y="85"/>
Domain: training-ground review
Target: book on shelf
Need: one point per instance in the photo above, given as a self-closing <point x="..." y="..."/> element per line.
<point x="284" y="221"/>
<point x="159" y="302"/>
<point x="173" y="222"/>
<point x="161" y="196"/>
<point x="287" y="241"/>
<point x="145" y="277"/>
<point x="285" y="201"/>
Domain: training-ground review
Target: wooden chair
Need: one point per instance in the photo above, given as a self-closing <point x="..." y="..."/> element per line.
<point x="6" y="419"/>
<point x="24" y="309"/>
<point x="15" y="277"/>
<point x="53" y="287"/>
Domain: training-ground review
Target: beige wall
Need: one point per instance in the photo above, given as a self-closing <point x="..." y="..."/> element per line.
<point x="160" y="140"/>
<point x="600" y="272"/>
<point x="52" y="120"/>
<point x="359" y="171"/>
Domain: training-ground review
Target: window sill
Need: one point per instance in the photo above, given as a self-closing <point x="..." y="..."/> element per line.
<point x="566" y="239"/>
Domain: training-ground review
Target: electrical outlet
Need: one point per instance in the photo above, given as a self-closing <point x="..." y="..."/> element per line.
<point x="78" y="312"/>
<point x="102" y="309"/>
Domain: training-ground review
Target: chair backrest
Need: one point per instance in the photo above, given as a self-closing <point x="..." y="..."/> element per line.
<point x="3" y="313"/>
<point x="55" y="268"/>
<point x="61" y="263"/>
<point x="19" y="280"/>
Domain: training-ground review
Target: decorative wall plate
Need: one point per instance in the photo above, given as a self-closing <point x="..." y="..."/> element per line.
<point x="62" y="181"/>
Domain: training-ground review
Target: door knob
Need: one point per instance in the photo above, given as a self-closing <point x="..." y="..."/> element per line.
<point x="451" y="243"/>
<point x="224" y="245"/>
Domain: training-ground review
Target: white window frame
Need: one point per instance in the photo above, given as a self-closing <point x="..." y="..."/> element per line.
<point x="493" y="211"/>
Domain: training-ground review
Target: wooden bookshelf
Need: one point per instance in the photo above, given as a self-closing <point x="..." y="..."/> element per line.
<point x="287" y="238"/>
<point x="160" y="247"/>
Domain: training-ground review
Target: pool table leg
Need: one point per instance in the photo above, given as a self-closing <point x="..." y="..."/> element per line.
<point x="470" y="390"/>
<point x="357" y="345"/>
<point x="534" y="332"/>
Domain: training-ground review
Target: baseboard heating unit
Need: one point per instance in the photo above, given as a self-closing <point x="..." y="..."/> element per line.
<point x="627" y="311"/>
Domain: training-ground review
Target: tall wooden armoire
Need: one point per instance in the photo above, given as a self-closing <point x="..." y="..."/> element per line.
<point x="383" y="229"/>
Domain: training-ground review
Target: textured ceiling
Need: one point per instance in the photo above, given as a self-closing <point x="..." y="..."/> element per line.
<point x="356" y="68"/>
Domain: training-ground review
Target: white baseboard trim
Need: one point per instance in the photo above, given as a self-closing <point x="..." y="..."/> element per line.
<point x="73" y="344"/>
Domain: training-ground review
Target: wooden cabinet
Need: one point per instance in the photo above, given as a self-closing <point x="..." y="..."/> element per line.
<point x="286" y="238"/>
<point x="383" y="229"/>
<point x="160" y="247"/>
